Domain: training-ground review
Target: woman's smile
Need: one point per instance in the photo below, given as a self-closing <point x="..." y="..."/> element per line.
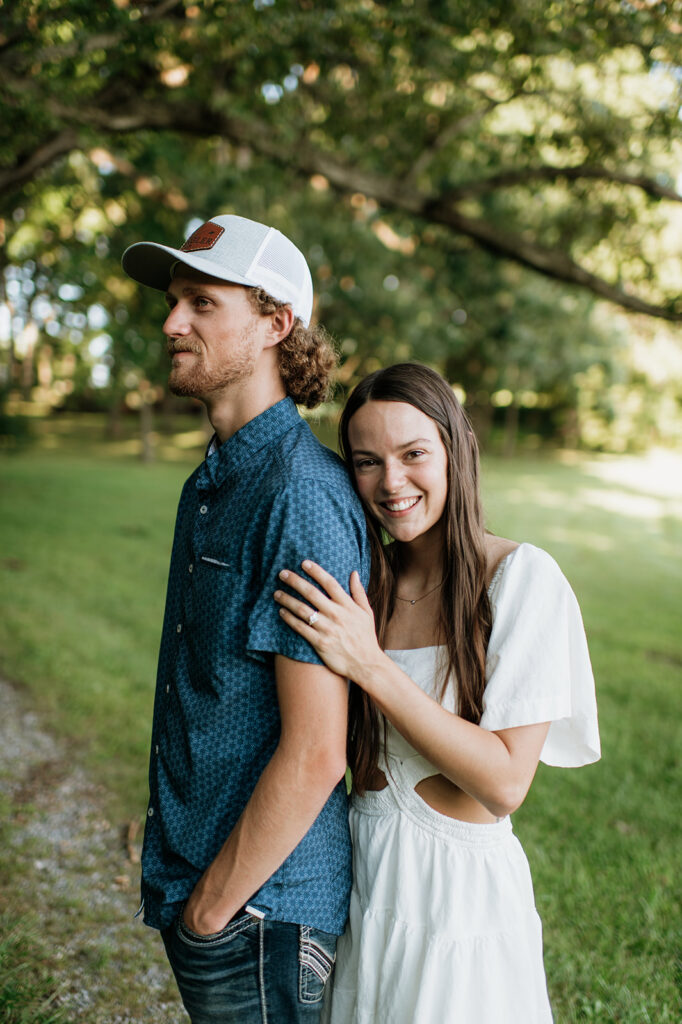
<point x="400" y="507"/>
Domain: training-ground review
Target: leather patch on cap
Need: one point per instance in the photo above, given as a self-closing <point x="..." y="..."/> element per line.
<point x="204" y="237"/>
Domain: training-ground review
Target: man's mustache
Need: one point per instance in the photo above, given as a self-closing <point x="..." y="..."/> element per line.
<point x="181" y="346"/>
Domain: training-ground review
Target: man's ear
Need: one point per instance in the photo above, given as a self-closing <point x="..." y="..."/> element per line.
<point x="281" y="323"/>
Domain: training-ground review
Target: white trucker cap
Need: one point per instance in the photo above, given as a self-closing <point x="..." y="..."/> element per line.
<point x="232" y="249"/>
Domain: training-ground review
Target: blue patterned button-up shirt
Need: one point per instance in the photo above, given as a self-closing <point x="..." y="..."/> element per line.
<point x="268" y="497"/>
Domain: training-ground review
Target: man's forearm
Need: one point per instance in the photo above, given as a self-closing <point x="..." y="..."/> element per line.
<point x="287" y="799"/>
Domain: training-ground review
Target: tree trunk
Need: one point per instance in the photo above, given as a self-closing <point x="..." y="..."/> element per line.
<point x="146" y="426"/>
<point x="13" y="366"/>
<point x="511" y="430"/>
<point x="570" y="429"/>
<point x="481" y="417"/>
<point x="27" y="374"/>
<point x="114" y="425"/>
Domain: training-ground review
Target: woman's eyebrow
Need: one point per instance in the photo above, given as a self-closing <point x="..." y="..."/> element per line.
<point x="406" y="444"/>
<point x="418" y="440"/>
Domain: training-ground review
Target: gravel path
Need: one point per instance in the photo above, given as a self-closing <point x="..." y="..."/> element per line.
<point x="77" y="875"/>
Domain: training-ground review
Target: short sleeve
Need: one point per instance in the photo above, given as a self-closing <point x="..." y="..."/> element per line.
<point x="308" y="519"/>
<point x="538" y="665"/>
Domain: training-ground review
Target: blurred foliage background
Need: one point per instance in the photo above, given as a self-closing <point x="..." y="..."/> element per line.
<point x="491" y="188"/>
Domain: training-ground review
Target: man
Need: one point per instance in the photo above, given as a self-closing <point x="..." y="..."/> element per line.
<point x="246" y="858"/>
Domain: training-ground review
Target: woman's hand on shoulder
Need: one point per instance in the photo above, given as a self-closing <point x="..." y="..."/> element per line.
<point x="339" y="627"/>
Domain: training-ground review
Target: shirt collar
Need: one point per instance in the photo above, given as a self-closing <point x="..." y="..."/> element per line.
<point x="223" y="459"/>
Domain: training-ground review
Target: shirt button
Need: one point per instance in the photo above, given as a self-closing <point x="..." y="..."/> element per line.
<point x="203" y="509"/>
<point x="190" y="567"/>
<point x="178" y="628"/>
<point x="156" y="749"/>
<point x="150" y="812"/>
<point x="167" y="687"/>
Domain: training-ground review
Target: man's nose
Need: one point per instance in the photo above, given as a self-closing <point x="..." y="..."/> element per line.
<point x="176" y="325"/>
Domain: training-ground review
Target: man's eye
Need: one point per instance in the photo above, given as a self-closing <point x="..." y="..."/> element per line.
<point x="201" y="302"/>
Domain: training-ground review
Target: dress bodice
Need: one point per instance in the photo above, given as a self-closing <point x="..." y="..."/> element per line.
<point x="537" y="666"/>
<point x="424" y="666"/>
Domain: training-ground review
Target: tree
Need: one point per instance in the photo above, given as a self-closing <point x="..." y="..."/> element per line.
<point x="429" y="158"/>
<point x="544" y="133"/>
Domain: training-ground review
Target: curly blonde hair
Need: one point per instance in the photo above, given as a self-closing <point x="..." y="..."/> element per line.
<point x="307" y="358"/>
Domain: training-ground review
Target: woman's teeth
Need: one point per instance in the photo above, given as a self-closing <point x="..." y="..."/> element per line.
<point x="400" y="506"/>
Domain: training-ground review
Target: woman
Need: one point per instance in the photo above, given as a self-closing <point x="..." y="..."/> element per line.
<point x="477" y="668"/>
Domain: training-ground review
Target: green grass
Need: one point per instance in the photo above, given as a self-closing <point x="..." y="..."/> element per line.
<point x="84" y="549"/>
<point x="604" y="841"/>
<point x="85" y="545"/>
<point x="26" y="987"/>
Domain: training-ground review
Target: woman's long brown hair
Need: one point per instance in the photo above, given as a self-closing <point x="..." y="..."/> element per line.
<point x="465" y="615"/>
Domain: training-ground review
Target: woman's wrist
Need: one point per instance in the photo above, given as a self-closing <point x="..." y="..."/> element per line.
<point x="372" y="672"/>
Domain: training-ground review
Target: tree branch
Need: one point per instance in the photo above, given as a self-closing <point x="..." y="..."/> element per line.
<point x="67" y="51"/>
<point x="392" y="194"/>
<point x="461" y="124"/>
<point x="199" y="120"/>
<point x="469" y="190"/>
<point x="27" y="166"/>
<point x="447" y="135"/>
<point x="87" y="44"/>
<point x="550" y="262"/>
<point x="160" y="10"/>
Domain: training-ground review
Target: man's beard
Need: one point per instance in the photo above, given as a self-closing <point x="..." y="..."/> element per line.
<point x="196" y="381"/>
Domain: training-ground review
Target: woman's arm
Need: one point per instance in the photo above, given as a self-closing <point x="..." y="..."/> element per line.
<point x="495" y="768"/>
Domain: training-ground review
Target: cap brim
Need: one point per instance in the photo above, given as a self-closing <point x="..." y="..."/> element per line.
<point x="150" y="263"/>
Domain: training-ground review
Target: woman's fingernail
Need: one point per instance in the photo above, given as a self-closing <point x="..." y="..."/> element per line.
<point x="306" y="564"/>
<point x="284" y="574"/>
<point x="278" y="593"/>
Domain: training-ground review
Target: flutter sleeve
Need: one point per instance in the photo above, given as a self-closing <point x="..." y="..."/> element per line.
<point x="538" y="665"/>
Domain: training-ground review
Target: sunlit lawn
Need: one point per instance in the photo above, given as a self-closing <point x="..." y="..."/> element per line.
<point x="604" y="841"/>
<point x="84" y="543"/>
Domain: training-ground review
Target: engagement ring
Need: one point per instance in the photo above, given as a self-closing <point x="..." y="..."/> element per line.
<point x="313" y="618"/>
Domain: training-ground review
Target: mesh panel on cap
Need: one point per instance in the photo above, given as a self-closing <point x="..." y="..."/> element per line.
<point x="279" y="257"/>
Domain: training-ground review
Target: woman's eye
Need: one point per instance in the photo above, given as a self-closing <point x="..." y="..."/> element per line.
<point x="415" y="454"/>
<point x="364" y="464"/>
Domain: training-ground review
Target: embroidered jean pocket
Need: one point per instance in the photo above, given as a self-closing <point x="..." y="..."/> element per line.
<point x="316" y="959"/>
<point x="230" y="931"/>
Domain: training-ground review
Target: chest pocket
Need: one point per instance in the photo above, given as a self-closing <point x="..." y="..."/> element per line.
<point x="218" y="614"/>
<point x="217" y="586"/>
<point x="219" y="563"/>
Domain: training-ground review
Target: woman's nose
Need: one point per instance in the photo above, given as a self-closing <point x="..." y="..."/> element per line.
<point x="394" y="477"/>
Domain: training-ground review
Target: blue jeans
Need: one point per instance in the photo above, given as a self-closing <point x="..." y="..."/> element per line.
<point x="252" y="972"/>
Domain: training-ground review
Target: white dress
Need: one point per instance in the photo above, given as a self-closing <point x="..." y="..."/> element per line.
<point x="443" y="926"/>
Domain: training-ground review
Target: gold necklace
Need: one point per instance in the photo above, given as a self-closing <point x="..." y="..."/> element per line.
<point x="410" y="600"/>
